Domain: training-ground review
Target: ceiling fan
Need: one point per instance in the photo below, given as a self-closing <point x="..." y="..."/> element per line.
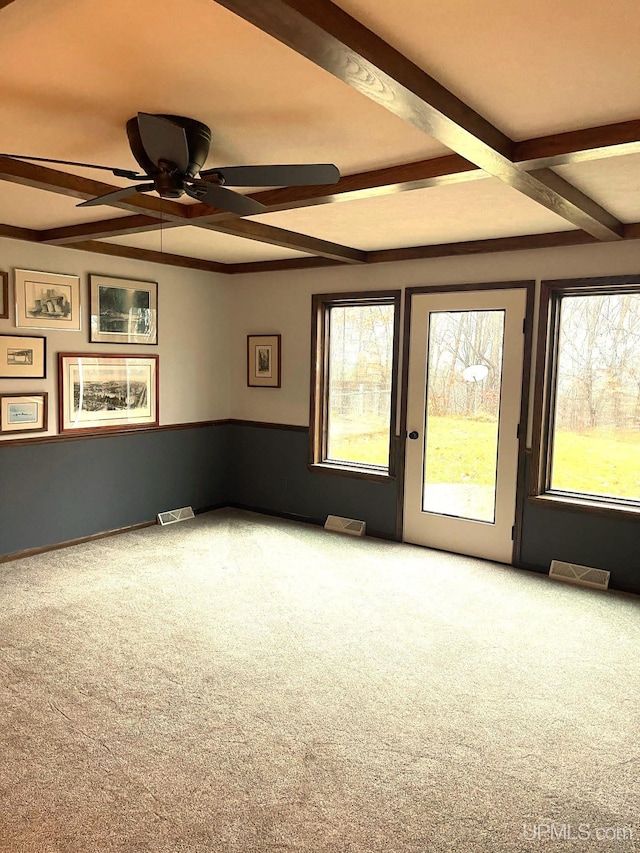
<point x="171" y="150"/>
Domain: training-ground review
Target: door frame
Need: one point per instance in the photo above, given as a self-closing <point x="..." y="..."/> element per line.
<point x="529" y="286"/>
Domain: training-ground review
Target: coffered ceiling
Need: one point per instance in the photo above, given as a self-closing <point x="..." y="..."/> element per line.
<point x="459" y="126"/>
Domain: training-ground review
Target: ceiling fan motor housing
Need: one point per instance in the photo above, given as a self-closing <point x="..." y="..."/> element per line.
<point x="198" y="142"/>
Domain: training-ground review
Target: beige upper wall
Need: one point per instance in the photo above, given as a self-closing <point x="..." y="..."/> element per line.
<point x="204" y="319"/>
<point x="193" y="339"/>
<point x="281" y="302"/>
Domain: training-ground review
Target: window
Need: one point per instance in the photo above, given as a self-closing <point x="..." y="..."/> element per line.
<point x="354" y="373"/>
<point x="588" y="393"/>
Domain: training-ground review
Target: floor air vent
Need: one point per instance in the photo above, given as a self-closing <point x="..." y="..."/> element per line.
<point x="174" y="515"/>
<point x="345" y="525"/>
<point x="581" y="575"/>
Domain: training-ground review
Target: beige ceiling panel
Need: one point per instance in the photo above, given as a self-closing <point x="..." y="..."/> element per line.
<point x="479" y="210"/>
<point x="532" y="68"/>
<point x="613" y="183"/>
<point x="207" y="245"/>
<point x="26" y="207"/>
<point x="74" y="71"/>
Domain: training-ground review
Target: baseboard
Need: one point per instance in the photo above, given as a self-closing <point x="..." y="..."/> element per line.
<point x="292" y="516"/>
<point x="44" y="549"/>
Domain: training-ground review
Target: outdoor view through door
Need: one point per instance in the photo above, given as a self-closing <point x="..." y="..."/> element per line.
<point x="464" y="377"/>
<point x="464" y="398"/>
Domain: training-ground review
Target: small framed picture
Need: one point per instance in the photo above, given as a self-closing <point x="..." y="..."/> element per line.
<point x="107" y="392"/>
<point x="263" y="361"/>
<point x="23" y="413"/>
<point x="23" y="357"/>
<point x="45" y="300"/>
<point x="4" y="295"/>
<point x="123" y="311"/>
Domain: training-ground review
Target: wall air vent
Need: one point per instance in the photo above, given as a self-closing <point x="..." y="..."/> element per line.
<point x="581" y="575"/>
<point x="345" y="525"/>
<point x="174" y="515"/>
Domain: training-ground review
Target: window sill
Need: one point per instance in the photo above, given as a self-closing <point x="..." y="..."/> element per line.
<point x="595" y="506"/>
<point x="344" y="470"/>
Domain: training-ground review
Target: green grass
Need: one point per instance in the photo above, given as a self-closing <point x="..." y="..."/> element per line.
<point x="462" y="450"/>
<point x="598" y="462"/>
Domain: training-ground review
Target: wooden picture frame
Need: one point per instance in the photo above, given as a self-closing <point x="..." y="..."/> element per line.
<point x="23" y="357"/>
<point x="20" y="413"/>
<point x="263" y="361"/>
<point x="99" y="392"/>
<point x="47" y="300"/>
<point x="4" y="295"/>
<point x="123" y="311"/>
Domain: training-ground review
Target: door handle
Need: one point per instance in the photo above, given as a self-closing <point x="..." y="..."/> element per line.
<point x="414" y="434"/>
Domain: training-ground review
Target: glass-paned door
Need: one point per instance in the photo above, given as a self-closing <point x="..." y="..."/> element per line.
<point x="465" y="377"/>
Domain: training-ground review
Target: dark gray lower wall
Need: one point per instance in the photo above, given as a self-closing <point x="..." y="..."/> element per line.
<point x="270" y="473"/>
<point x="58" y="491"/>
<point x="589" y="540"/>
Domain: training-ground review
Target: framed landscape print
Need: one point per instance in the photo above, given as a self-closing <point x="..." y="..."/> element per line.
<point x="263" y="361"/>
<point x="45" y="300"/>
<point x="107" y="392"/>
<point x="123" y="311"/>
<point x="4" y="295"/>
<point x="23" y="413"/>
<point x="23" y="357"/>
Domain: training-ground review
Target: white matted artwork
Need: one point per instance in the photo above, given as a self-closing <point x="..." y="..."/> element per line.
<point x="20" y="413"/>
<point x="47" y="300"/>
<point x="263" y="361"/>
<point x="107" y="392"/>
<point x="23" y="357"/>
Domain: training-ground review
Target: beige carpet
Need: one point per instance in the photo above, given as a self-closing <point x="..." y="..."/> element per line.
<point x="239" y="683"/>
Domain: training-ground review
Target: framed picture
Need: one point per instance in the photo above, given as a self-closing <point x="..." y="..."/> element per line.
<point x="123" y="311"/>
<point x="263" y="361"/>
<point x="23" y="413"/>
<point x="4" y="295"/>
<point x="107" y="392"/>
<point x="23" y="357"/>
<point x="45" y="300"/>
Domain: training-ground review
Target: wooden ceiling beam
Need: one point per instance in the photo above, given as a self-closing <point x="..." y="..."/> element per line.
<point x="137" y="223"/>
<point x="445" y="250"/>
<point x="579" y="146"/>
<point x="5" y="3"/>
<point x="288" y="239"/>
<point x="13" y="232"/>
<point x="559" y="149"/>
<point x="52" y="180"/>
<point x="388" y="181"/>
<point x="115" y="250"/>
<point x="171" y="214"/>
<point x="336" y="42"/>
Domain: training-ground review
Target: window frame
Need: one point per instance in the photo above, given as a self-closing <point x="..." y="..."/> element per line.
<point x="321" y="306"/>
<point x="551" y="295"/>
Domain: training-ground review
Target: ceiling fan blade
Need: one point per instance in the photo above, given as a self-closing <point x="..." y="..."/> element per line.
<point x="300" y="175"/>
<point x="217" y="196"/>
<point x="116" y="195"/>
<point x="119" y="173"/>
<point x="162" y="139"/>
